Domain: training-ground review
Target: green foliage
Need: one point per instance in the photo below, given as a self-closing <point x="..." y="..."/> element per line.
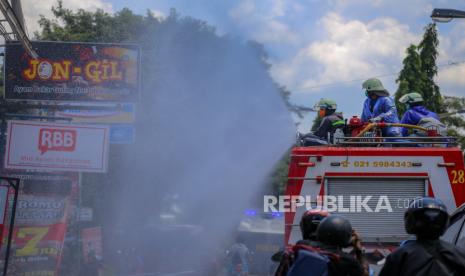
<point x="455" y="122"/>
<point x="411" y="77"/>
<point x="316" y="123"/>
<point x="418" y="75"/>
<point x="98" y="26"/>
<point x="280" y="174"/>
<point x="428" y="54"/>
<point x="419" y="71"/>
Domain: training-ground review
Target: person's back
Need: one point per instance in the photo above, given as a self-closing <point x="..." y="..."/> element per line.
<point x="333" y="234"/>
<point x="427" y="257"/>
<point x="308" y="227"/>
<point x="427" y="219"/>
<point x="346" y="264"/>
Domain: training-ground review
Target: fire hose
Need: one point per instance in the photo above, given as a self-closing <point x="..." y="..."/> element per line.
<point x="382" y="125"/>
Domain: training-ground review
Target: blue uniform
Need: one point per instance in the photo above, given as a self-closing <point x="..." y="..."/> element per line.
<point x="414" y="115"/>
<point x="385" y="108"/>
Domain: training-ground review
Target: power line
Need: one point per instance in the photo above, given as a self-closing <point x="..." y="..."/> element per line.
<point x="448" y="64"/>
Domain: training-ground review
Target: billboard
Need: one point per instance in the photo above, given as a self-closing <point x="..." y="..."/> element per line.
<point x="73" y="72"/>
<point x="56" y="147"/>
<point x="41" y="223"/>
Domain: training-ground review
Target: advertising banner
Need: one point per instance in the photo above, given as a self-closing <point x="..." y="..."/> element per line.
<point x="73" y="72"/>
<point x="92" y="243"/>
<point x="39" y="232"/>
<point x="41" y="223"/>
<point x="56" y="147"/>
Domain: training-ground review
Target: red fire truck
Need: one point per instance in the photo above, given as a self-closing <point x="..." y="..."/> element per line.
<point x="364" y="169"/>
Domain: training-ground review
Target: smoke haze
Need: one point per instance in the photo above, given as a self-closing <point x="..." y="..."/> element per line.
<point x="210" y="127"/>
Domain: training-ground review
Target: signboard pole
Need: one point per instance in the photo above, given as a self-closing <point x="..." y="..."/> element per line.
<point x="14" y="183"/>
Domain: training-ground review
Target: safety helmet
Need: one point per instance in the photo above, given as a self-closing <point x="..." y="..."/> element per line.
<point x="335" y="230"/>
<point x="375" y="86"/>
<point x="410" y="98"/>
<point x="310" y="221"/>
<point x="326" y="104"/>
<point x="427" y="218"/>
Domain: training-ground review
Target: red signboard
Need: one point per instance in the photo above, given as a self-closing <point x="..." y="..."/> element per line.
<point x="91" y="243"/>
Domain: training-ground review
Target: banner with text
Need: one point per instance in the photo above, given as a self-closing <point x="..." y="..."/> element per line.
<point x="41" y="222"/>
<point x="56" y="147"/>
<point x="73" y="72"/>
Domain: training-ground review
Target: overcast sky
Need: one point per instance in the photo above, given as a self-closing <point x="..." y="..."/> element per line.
<point x="318" y="48"/>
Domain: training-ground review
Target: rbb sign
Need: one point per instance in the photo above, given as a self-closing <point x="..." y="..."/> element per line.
<point x="56" y="147"/>
<point x="57" y="140"/>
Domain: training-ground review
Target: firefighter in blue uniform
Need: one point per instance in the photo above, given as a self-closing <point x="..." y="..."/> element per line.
<point x="380" y="107"/>
<point x="416" y="111"/>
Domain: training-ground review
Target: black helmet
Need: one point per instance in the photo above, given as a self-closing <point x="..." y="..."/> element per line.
<point x="310" y="221"/>
<point x="335" y="230"/>
<point x="427" y="218"/>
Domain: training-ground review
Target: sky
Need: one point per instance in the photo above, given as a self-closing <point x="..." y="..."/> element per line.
<point x="318" y="48"/>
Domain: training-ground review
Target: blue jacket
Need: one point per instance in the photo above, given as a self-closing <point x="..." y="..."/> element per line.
<point x="414" y="115"/>
<point x="385" y="108"/>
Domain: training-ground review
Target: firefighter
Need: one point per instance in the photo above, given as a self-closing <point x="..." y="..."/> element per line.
<point x="330" y="119"/>
<point x="417" y="113"/>
<point x="427" y="219"/>
<point x="378" y="107"/>
<point x="308" y="226"/>
<point x="330" y="122"/>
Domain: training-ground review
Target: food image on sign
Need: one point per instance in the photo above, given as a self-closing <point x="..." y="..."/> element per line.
<point x="73" y="72"/>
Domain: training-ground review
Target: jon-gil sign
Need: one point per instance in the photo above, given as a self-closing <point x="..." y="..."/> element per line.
<point x="56" y="147"/>
<point x="73" y="72"/>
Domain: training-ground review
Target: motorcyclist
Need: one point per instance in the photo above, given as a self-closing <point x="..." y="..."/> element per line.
<point x="416" y="111"/>
<point x="330" y="121"/>
<point x="335" y="233"/>
<point x="308" y="227"/>
<point x="427" y="219"/>
<point x="379" y="107"/>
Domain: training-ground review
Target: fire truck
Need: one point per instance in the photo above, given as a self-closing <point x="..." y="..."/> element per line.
<point x="373" y="179"/>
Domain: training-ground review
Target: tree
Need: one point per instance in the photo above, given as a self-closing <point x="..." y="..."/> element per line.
<point x="453" y="120"/>
<point x="428" y="54"/>
<point x="418" y="75"/>
<point x="419" y="72"/>
<point x="411" y="77"/>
